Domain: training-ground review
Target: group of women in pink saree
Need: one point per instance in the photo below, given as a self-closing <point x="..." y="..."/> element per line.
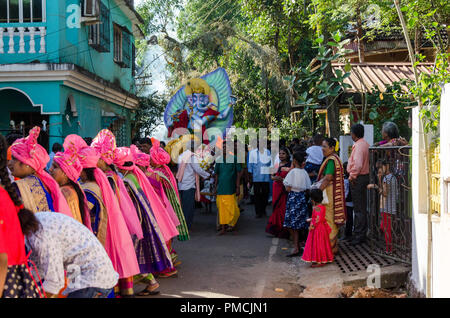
<point x="127" y="198"/>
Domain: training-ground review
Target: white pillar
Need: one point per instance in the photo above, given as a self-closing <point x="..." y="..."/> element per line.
<point x="21" y="41"/>
<point x="32" y="43"/>
<point x="11" y="40"/>
<point x="1" y="41"/>
<point x="43" y="32"/>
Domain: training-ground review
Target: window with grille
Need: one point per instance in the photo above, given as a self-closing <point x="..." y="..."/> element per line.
<point x="99" y="37"/>
<point x="22" y="11"/>
<point x="117" y="44"/>
<point x="122" y="46"/>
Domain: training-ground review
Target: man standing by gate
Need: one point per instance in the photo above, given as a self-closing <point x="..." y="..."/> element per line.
<point x="358" y="169"/>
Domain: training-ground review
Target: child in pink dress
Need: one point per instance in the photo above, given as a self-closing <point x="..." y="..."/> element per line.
<point x="318" y="249"/>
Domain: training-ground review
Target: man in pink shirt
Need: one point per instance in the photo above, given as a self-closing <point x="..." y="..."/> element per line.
<point x="358" y="169"/>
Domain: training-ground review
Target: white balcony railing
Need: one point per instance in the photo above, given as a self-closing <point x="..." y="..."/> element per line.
<point x="27" y="37"/>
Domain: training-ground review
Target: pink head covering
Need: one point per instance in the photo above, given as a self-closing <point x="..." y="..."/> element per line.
<point x="88" y="156"/>
<point x="29" y="152"/>
<point x="158" y="155"/>
<point x="122" y="155"/>
<point x="70" y="164"/>
<point x="74" y="143"/>
<point x="105" y="144"/>
<point x="140" y="158"/>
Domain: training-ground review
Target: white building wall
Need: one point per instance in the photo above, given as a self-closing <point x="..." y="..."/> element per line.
<point x="441" y="225"/>
<point x="419" y="226"/>
<point x="440" y="275"/>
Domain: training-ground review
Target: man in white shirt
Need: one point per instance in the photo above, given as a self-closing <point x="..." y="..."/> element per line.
<point x="259" y="168"/>
<point x="188" y="168"/>
<point x="315" y="157"/>
<point x="63" y="244"/>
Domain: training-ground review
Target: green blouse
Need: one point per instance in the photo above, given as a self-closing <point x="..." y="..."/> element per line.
<point x="330" y="168"/>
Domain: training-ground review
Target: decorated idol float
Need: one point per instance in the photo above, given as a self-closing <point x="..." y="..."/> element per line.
<point x="201" y="110"/>
<point x="203" y="103"/>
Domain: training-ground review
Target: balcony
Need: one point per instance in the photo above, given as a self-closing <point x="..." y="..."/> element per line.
<point x="23" y="39"/>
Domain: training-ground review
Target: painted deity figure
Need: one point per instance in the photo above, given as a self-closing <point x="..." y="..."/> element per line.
<point x="201" y="104"/>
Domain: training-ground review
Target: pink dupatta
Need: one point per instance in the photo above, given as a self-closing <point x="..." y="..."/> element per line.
<point x="168" y="228"/>
<point x="127" y="207"/>
<point x="119" y="246"/>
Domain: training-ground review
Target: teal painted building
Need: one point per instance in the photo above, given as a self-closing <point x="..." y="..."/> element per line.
<point x="68" y="66"/>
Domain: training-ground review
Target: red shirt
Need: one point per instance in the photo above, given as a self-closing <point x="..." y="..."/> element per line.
<point x="12" y="241"/>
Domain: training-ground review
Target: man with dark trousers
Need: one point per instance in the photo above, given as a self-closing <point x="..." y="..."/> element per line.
<point x="259" y="165"/>
<point x="358" y="170"/>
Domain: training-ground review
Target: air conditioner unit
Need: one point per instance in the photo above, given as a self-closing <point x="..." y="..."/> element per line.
<point x="91" y="8"/>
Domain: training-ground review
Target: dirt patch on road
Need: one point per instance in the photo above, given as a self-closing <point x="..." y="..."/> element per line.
<point x="367" y="292"/>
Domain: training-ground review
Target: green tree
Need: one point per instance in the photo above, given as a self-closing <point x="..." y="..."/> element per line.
<point x="149" y="114"/>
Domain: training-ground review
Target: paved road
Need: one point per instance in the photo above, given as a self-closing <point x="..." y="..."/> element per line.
<point x="247" y="263"/>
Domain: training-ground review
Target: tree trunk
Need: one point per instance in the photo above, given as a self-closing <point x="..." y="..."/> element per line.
<point x="417" y="40"/>
<point x="267" y="103"/>
<point x="331" y="102"/>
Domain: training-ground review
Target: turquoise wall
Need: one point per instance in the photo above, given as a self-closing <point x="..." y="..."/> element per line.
<point x="54" y="96"/>
<point x="89" y="113"/>
<point x="70" y="45"/>
<point x="99" y="63"/>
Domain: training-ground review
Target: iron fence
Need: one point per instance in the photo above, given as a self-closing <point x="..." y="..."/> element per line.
<point x="389" y="203"/>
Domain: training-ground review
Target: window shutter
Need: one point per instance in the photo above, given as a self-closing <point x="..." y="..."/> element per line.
<point x="126" y="48"/>
<point x="133" y="59"/>
<point x="105" y="40"/>
<point x="99" y="34"/>
<point x="117" y="44"/>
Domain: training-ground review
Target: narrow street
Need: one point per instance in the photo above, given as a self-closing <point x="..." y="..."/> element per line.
<point x="248" y="263"/>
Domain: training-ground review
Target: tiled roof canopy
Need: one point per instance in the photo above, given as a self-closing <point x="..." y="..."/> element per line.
<point x="367" y="76"/>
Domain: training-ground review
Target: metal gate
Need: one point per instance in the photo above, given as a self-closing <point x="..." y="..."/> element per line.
<point x="389" y="203"/>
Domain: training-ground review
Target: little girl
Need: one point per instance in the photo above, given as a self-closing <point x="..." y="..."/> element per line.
<point x="318" y="247"/>
<point x="296" y="182"/>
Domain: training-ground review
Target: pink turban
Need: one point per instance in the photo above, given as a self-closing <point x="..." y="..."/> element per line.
<point x="29" y="152"/>
<point x="105" y="144"/>
<point x="88" y="156"/>
<point x="159" y="156"/>
<point x="70" y="164"/>
<point x="74" y="143"/>
<point x="140" y="158"/>
<point x="122" y="155"/>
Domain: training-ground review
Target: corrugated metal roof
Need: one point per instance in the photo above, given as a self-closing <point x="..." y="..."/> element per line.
<point x="367" y="76"/>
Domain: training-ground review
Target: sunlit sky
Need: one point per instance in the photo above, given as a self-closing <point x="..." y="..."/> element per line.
<point x="158" y="78"/>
